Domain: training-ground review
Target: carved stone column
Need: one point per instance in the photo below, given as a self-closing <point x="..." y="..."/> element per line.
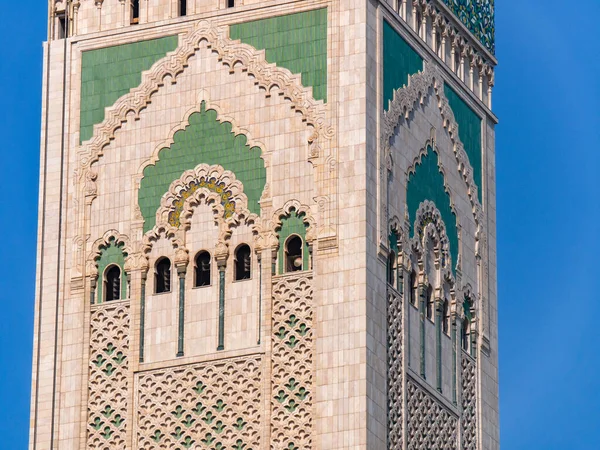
<point x="222" y="265"/>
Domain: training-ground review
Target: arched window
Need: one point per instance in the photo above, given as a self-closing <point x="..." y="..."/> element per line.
<point x="202" y="269"/>
<point x="243" y="263"/>
<point x="430" y="303"/>
<point x="414" y="288"/>
<point x="162" y="276"/>
<point x="446" y="317"/>
<point x="391" y="269"/>
<point x="182" y="7"/>
<point x="465" y="334"/>
<point x="293" y="254"/>
<point x="112" y="283"/>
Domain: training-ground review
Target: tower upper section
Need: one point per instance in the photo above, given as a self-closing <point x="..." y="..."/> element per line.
<point x="80" y="17"/>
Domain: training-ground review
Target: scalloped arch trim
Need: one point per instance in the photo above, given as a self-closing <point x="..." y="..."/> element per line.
<point x="205" y="140"/>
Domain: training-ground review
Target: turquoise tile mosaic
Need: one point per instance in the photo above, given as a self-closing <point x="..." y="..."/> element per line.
<point x="109" y="73"/>
<point x="479" y="17"/>
<point x="297" y="42"/>
<point x="469" y="132"/>
<point x="399" y="61"/>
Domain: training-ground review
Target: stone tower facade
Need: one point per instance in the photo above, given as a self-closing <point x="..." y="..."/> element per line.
<point x="267" y="224"/>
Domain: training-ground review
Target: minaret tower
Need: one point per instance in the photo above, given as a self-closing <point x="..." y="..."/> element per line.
<point x="267" y="224"/>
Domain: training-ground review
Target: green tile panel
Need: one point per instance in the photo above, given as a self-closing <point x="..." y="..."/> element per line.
<point x="109" y="73"/>
<point x="427" y="183"/>
<point x="469" y="132"/>
<point x="296" y="41"/>
<point x="399" y="61"/>
<point x="293" y="224"/>
<point x="113" y="254"/>
<point x="204" y="141"/>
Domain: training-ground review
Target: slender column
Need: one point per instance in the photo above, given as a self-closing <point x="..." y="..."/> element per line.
<point x="472" y="75"/>
<point x="93" y="281"/>
<point x="259" y="258"/>
<point x="454" y="356"/>
<point x="481" y="83"/>
<point x="473" y="338"/>
<point x="422" y="295"/>
<point x="439" y="305"/>
<point x="221" y="264"/>
<point x="143" y="314"/>
<point x="181" y="273"/>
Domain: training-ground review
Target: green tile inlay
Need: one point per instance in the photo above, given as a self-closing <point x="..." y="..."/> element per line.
<point x="427" y="183"/>
<point x="293" y="224"/>
<point x="296" y="41"/>
<point x="469" y="132"/>
<point x="204" y="141"/>
<point x="113" y="254"/>
<point x="399" y="61"/>
<point x="109" y="73"/>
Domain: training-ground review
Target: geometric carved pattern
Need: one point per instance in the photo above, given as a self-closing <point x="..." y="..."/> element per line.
<point x="469" y="403"/>
<point x="395" y="405"/>
<point x="107" y="402"/>
<point x="293" y="356"/>
<point x="430" y="425"/>
<point x="215" y="405"/>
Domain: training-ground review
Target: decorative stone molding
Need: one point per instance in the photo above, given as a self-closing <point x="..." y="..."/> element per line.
<point x="295" y="205"/>
<point x="219" y="186"/>
<point x="103" y="243"/>
<point x="233" y="54"/>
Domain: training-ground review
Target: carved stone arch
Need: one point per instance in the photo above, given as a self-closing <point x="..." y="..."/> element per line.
<point x="404" y="102"/>
<point x="300" y="209"/>
<point x="102" y="243"/>
<point x="235" y="55"/>
<point x="243" y="216"/>
<point x="429" y="225"/>
<point x="218" y="187"/>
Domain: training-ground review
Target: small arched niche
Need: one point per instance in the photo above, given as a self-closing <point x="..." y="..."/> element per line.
<point x="162" y="275"/>
<point x="112" y="283"/>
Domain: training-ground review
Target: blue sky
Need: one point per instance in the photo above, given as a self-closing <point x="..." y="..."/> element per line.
<point x="548" y="147"/>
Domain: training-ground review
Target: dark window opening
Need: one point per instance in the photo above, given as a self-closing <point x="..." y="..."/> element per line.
<point x="230" y="3"/>
<point x="202" y="269"/>
<point x="162" y="276"/>
<point x="62" y="26"/>
<point x="112" y="284"/>
<point x="182" y="7"/>
<point x="243" y="263"/>
<point x="135" y="11"/>
<point x="414" y="288"/>
<point x="430" y="303"/>
<point x="391" y="269"/>
<point x="465" y="332"/>
<point x="446" y="317"/>
<point x="293" y="254"/>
